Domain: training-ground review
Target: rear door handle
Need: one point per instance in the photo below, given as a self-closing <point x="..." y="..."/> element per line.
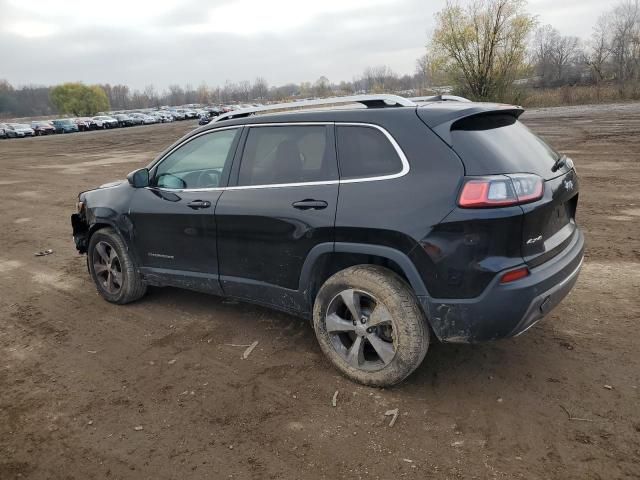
<point x="310" y="204"/>
<point x="197" y="204"/>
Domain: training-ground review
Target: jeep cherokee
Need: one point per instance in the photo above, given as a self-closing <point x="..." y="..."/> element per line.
<point x="385" y="225"/>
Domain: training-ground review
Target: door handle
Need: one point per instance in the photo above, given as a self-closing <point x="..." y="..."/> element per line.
<point x="310" y="204"/>
<point x="197" y="204"/>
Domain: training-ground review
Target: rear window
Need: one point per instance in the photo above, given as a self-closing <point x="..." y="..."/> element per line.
<point x="365" y="152"/>
<point x="499" y="143"/>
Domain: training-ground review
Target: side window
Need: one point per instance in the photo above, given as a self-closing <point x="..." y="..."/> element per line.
<point x="198" y="163"/>
<point x="365" y="152"/>
<point x="287" y="154"/>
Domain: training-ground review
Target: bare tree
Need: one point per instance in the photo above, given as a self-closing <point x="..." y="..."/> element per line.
<point x="175" y="95"/>
<point x="483" y="45"/>
<point x="190" y="94"/>
<point x="203" y="94"/>
<point x="555" y="55"/>
<point x="378" y="79"/>
<point x="423" y="73"/>
<point x="322" y="87"/>
<point x="151" y="96"/>
<point x="244" y="89"/>
<point x="229" y="92"/>
<point x="284" y="92"/>
<point x="260" y="89"/>
<point x="429" y="72"/>
<point x="625" y="40"/>
<point x="565" y="53"/>
<point x="543" y="45"/>
<point x="600" y="51"/>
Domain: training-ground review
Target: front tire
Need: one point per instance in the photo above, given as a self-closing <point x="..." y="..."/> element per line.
<point x="369" y="324"/>
<point x="112" y="268"/>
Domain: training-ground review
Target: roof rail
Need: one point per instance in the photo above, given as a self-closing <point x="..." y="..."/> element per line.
<point x="439" y="98"/>
<point x="370" y="101"/>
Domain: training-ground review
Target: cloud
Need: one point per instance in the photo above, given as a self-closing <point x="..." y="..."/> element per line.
<point x="169" y="41"/>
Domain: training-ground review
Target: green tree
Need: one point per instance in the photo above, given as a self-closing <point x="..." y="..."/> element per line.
<point x="483" y="45"/>
<point x="79" y="99"/>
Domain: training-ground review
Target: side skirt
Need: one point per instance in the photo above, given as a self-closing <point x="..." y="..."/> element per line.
<point x="251" y="291"/>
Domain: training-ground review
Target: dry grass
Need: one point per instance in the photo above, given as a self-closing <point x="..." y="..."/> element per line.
<point x="578" y="95"/>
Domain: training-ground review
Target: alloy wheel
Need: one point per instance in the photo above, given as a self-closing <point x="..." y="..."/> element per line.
<point x="107" y="267"/>
<point x="361" y="330"/>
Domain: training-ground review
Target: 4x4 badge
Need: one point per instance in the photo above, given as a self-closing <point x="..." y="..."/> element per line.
<point x="568" y="184"/>
<point x="534" y="240"/>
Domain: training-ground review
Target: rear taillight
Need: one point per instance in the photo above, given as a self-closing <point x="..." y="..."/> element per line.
<point x="501" y="190"/>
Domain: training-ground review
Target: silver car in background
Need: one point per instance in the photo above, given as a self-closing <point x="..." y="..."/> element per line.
<point x="19" y="130"/>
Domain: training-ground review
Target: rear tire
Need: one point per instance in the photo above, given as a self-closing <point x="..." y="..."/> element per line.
<point x="390" y="338"/>
<point x="112" y="268"/>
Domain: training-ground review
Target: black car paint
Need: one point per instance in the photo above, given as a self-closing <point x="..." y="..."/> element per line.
<point x="253" y="245"/>
<point x="263" y="240"/>
<point x="177" y="241"/>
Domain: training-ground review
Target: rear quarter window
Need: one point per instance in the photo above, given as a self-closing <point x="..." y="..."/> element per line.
<point x="365" y="152"/>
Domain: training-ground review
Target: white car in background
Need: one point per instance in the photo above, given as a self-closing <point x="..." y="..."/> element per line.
<point x="105" y="121"/>
<point x="19" y="130"/>
<point x="166" y="116"/>
<point x="161" y="116"/>
<point x="146" y="119"/>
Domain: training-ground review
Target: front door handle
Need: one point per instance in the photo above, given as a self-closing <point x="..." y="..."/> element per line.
<point x="310" y="204"/>
<point x="198" y="204"/>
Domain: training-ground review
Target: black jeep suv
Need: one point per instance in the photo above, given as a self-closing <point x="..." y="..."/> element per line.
<point x="385" y="225"/>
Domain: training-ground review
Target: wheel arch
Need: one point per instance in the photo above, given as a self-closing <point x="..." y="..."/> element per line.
<point x="100" y="223"/>
<point x="326" y="259"/>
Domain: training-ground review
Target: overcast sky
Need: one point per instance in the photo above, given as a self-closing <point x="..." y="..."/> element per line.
<point x="161" y="42"/>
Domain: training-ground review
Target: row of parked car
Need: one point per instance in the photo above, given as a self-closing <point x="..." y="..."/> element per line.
<point x="104" y="121"/>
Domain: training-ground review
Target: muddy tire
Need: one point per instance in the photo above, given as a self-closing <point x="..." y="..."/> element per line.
<point x="112" y="268"/>
<point x="370" y="326"/>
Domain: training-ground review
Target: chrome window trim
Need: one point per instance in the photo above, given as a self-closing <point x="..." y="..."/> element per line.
<point x="403" y="159"/>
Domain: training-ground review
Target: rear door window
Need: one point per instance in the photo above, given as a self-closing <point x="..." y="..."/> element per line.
<point x="365" y="152"/>
<point x="287" y="154"/>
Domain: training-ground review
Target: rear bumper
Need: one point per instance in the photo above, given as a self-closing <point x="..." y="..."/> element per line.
<point x="507" y="310"/>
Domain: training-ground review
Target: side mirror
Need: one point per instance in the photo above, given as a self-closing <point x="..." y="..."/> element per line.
<point x="139" y="178"/>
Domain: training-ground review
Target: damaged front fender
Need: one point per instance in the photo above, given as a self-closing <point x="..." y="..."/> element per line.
<point x="80" y="232"/>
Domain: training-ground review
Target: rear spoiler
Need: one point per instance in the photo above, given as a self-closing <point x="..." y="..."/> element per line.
<point x="440" y="117"/>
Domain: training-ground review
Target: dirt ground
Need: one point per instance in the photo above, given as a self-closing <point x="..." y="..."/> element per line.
<point x="79" y="377"/>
